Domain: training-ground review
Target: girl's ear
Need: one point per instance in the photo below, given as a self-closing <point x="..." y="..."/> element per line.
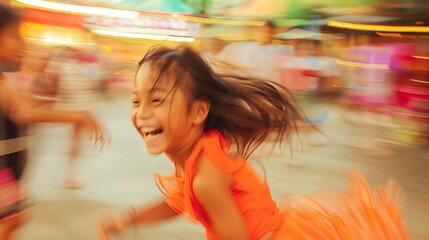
<point x="200" y="110"/>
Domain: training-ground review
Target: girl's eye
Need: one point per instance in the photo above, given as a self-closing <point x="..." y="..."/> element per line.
<point x="135" y="102"/>
<point x="156" y="100"/>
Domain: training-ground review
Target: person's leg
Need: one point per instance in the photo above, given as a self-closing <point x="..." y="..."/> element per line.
<point x="345" y="111"/>
<point x="73" y="180"/>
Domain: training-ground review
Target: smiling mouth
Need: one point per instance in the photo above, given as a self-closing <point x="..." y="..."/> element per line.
<point x="149" y="132"/>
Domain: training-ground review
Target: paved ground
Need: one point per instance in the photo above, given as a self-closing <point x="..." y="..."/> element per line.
<point x="122" y="175"/>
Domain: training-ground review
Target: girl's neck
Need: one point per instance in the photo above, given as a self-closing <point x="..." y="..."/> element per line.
<point x="179" y="157"/>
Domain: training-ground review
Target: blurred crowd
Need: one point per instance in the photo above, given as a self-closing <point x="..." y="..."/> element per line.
<point x="384" y="77"/>
<point x="359" y="72"/>
<point x="381" y="74"/>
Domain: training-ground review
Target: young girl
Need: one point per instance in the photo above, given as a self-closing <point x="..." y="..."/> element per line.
<point x="208" y="126"/>
<point x="15" y="113"/>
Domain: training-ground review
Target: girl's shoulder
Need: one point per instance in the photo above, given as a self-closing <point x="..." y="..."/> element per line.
<point x="212" y="149"/>
<point x="209" y="176"/>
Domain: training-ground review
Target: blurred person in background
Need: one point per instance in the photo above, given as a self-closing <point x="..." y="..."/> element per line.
<point x="33" y="64"/>
<point x="214" y="47"/>
<point x="43" y="88"/>
<point x="410" y="76"/>
<point x="366" y="101"/>
<point x="268" y="32"/>
<point x="308" y="73"/>
<point x="256" y="59"/>
<point x="15" y="114"/>
<point x="77" y="76"/>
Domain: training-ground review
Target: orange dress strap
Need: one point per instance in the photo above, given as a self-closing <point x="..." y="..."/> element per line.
<point x="178" y="190"/>
<point x="214" y="147"/>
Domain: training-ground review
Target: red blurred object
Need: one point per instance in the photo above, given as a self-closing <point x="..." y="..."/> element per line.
<point x="412" y="82"/>
<point x="88" y="57"/>
<point x="52" y="18"/>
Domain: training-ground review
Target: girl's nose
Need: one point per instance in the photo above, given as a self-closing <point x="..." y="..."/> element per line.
<point x="143" y="113"/>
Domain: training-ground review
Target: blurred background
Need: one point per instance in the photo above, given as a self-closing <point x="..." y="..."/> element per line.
<point x="358" y="68"/>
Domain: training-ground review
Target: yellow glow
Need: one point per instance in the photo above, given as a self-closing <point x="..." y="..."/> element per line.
<point x="389" y="34"/>
<point x="362" y="65"/>
<point x="232" y="39"/>
<point x="38" y="26"/>
<point x="380" y="28"/>
<point x="180" y="39"/>
<point x="80" y="9"/>
<point x="420" y="57"/>
<point x="221" y="21"/>
<point x="144" y="36"/>
<point x="59" y="41"/>
<point x="107" y="48"/>
<point x="419" y="81"/>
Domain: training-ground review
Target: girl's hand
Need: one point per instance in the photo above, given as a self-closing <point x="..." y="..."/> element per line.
<point x="113" y="223"/>
<point x="89" y="124"/>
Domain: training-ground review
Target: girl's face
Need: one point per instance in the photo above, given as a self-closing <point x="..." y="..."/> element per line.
<point x="11" y="46"/>
<point x="161" y="114"/>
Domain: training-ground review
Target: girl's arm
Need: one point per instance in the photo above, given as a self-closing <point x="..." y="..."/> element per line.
<point x="156" y="213"/>
<point x="22" y="112"/>
<point x="213" y="191"/>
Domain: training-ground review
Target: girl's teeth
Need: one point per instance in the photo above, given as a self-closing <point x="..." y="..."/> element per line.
<point x="152" y="136"/>
<point x="148" y="129"/>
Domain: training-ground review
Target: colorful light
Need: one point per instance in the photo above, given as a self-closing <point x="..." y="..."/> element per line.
<point x="144" y="36"/>
<point x="420" y="57"/>
<point x="80" y="9"/>
<point x="362" y="65"/>
<point x="59" y="41"/>
<point x="379" y="28"/>
<point x="420" y="81"/>
<point x="221" y="21"/>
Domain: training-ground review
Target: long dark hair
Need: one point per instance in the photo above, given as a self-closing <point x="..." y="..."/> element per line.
<point x="245" y="111"/>
<point x="7" y="16"/>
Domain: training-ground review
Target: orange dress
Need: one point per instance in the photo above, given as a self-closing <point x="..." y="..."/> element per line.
<point x="355" y="214"/>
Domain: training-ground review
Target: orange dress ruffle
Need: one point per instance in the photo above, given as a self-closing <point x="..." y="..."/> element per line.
<point x="356" y="214"/>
